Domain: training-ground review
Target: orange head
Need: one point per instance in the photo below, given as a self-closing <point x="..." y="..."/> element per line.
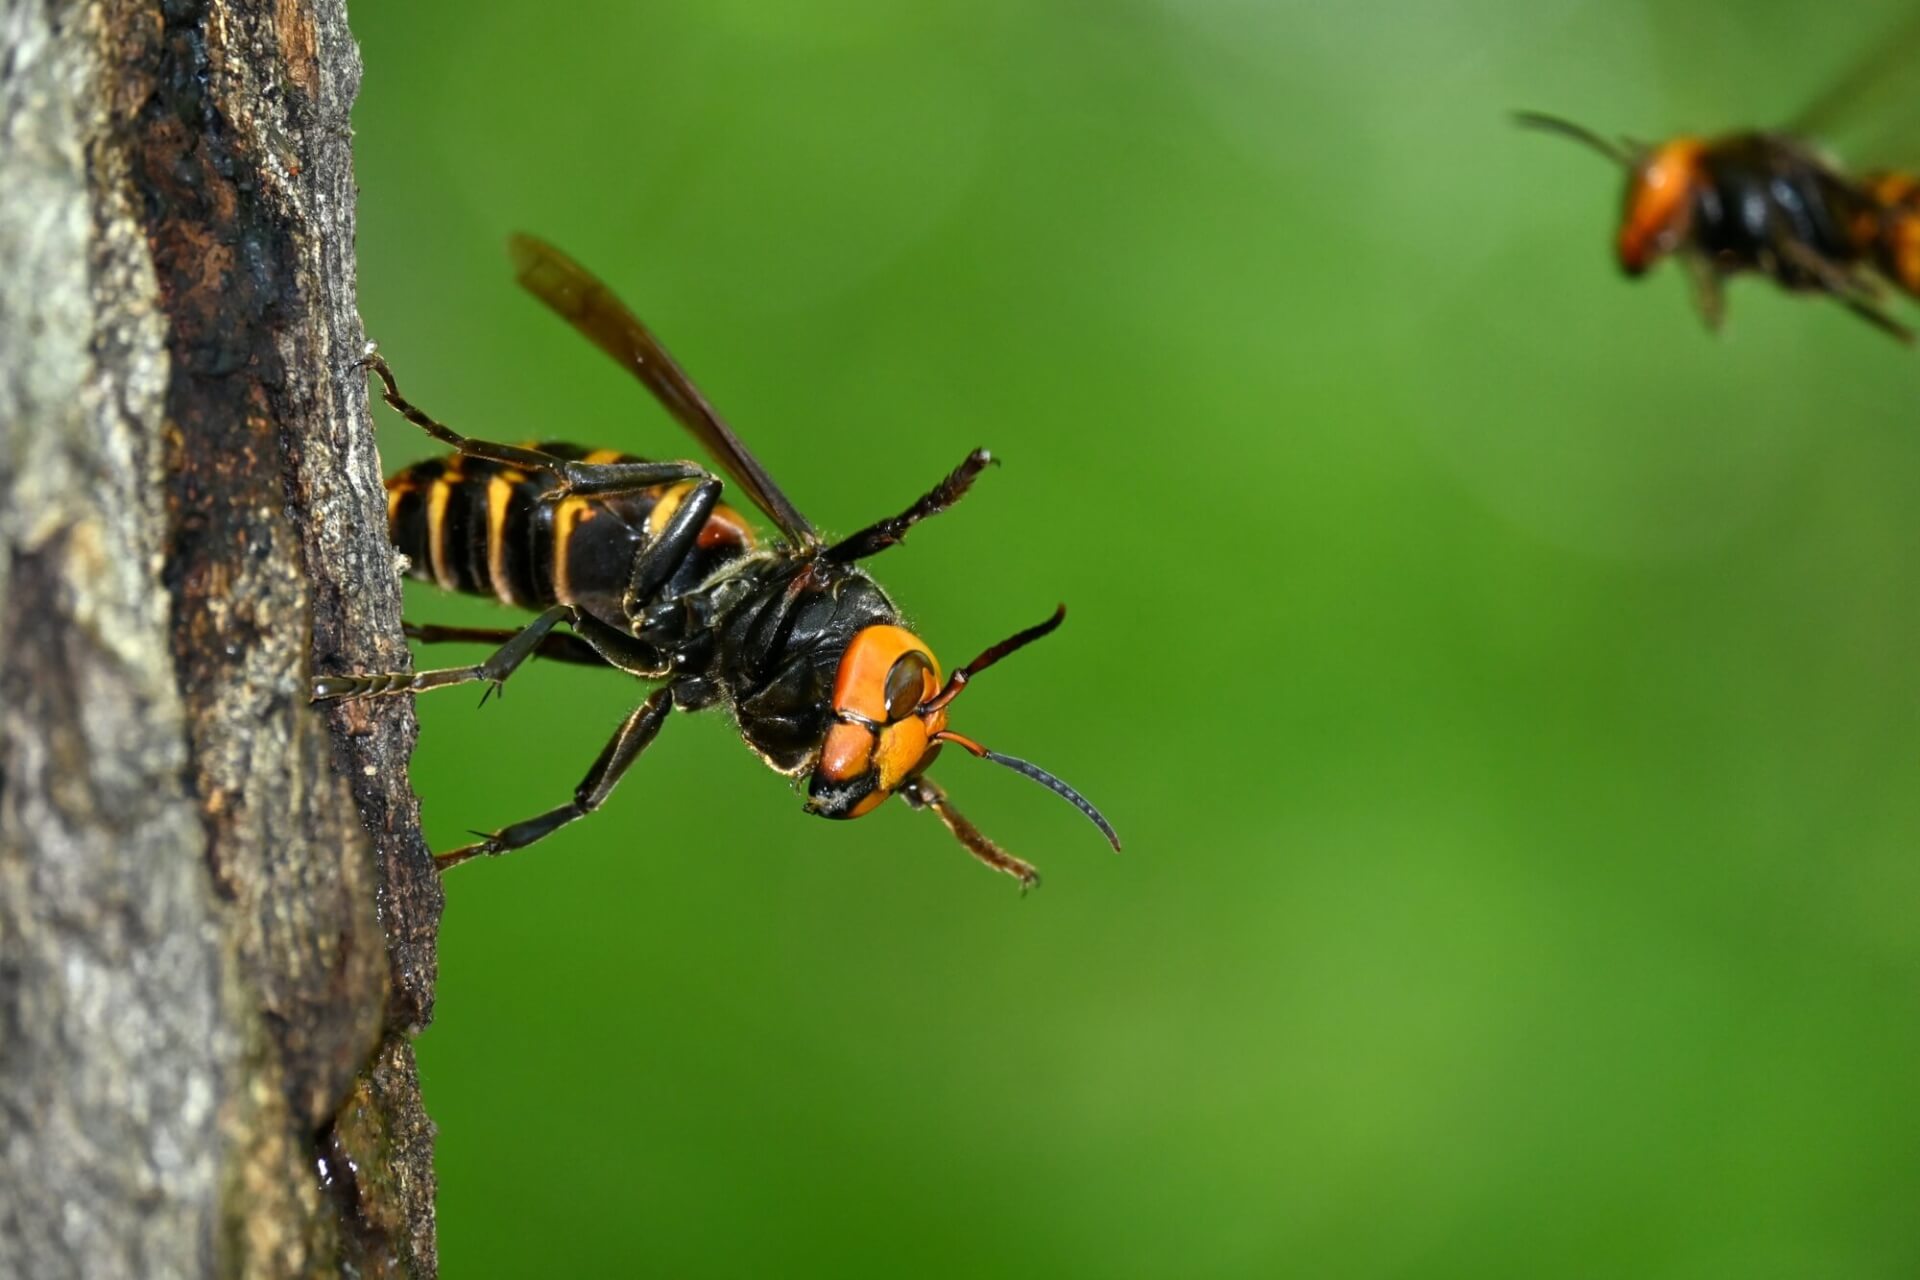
<point x="1658" y="212"/>
<point x="889" y="721"/>
<point x="1661" y="184"/>
<point x="884" y="728"/>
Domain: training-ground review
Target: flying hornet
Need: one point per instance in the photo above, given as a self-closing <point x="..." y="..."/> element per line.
<point x="1769" y="202"/>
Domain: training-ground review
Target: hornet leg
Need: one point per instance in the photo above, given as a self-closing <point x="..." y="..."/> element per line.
<point x="615" y="759"/>
<point x="1879" y="319"/>
<point x="664" y="552"/>
<point x="877" y="537"/>
<point x="592" y="644"/>
<point x="922" y="794"/>
<point x="576" y="479"/>
<point x="1859" y="295"/>
<point x="557" y="646"/>
<point x="1709" y="292"/>
<point x="494" y="670"/>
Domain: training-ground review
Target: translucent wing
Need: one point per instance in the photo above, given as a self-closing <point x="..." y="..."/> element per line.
<point x="589" y="306"/>
<point x="1868" y="110"/>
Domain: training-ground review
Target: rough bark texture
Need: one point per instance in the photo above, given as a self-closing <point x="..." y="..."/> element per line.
<point x="216" y="913"/>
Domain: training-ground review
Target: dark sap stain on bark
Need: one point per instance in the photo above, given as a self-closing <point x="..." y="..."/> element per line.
<point x="224" y="252"/>
<point x="365" y="1160"/>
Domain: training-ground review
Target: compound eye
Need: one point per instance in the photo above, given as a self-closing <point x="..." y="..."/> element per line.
<point x="907" y="684"/>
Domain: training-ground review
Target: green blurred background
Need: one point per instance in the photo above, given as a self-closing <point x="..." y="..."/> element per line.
<point x="1508" y="692"/>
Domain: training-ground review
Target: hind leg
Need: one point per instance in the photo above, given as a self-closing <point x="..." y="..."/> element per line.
<point x="1855" y="291"/>
<point x="558" y="646"/>
<point x="574" y="479"/>
<point x="521" y="645"/>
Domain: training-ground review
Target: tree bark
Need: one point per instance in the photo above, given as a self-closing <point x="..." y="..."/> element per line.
<point x="217" y="917"/>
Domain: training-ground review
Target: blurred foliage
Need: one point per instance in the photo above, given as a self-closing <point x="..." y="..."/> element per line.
<point x="1507" y="691"/>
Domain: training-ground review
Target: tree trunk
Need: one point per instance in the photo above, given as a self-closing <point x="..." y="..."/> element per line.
<point x="217" y="916"/>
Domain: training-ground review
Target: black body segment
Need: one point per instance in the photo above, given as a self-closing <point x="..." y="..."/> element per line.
<point x="486" y="528"/>
<point x="784" y="649"/>
<point x="1769" y="205"/>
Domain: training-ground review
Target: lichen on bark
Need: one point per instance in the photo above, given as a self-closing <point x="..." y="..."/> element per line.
<point x="216" y="914"/>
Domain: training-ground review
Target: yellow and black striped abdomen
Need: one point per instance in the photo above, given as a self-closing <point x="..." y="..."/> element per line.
<point x="1891" y="227"/>
<point x="480" y="527"/>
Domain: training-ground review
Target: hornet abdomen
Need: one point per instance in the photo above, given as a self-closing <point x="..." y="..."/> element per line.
<point x="1892" y="227"/>
<point x="480" y="527"/>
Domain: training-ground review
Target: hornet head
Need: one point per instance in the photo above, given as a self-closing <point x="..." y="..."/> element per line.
<point x="1656" y="213"/>
<point x="889" y="721"/>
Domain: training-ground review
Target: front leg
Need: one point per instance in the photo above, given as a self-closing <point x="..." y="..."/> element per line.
<point x="1709" y="290"/>
<point x="920" y="793"/>
<point x="615" y="759"/>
